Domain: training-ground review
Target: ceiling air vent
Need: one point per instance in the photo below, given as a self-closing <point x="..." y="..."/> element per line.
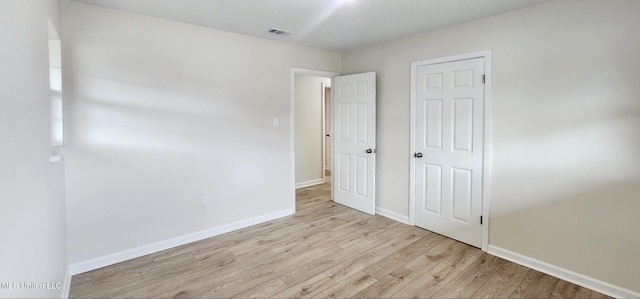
<point x="280" y="32"/>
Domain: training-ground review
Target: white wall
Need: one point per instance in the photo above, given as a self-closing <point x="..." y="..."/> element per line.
<point x="162" y="113"/>
<point x="32" y="208"/>
<point x="566" y="117"/>
<point x="308" y="127"/>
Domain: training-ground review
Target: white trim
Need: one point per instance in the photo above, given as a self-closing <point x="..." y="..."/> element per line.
<point x="309" y="183"/>
<point x="564" y="274"/>
<point x="292" y="122"/>
<point x="392" y="215"/>
<point x="66" y="285"/>
<point x="412" y="147"/>
<point x="333" y="141"/>
<point x="486" y="54"/>
<point x="324" y="133"/>
<point x="486" y="163"/>
<point x="117" y="257"/>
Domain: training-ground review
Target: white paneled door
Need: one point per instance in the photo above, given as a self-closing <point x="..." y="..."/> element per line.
<point x="354" y="147"/>
<point x="449" y="117"/>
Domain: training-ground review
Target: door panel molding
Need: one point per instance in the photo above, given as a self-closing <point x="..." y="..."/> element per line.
<point x="355" y="123"/>
<point x="461" y="79"/>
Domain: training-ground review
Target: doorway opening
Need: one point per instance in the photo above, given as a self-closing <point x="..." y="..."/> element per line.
<point x="310" y="128"/>
<point x="327" y="132"/>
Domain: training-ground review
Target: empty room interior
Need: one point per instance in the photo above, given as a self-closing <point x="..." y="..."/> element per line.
<point x="338" y="148"/>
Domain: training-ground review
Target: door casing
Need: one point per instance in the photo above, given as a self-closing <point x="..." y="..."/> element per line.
<point x="486" y="172"/>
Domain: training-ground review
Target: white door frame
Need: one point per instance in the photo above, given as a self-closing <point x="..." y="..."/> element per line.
<point x="324" y="132"/>
<point x="486" y="165"/>
<point x="292" y="138"/>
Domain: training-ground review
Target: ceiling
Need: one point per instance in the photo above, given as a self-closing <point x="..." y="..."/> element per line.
<point x="338" y="25"/>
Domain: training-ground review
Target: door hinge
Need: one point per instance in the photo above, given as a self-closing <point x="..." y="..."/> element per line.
<point x="480" y="220"/>
<point x="484" y="78"/>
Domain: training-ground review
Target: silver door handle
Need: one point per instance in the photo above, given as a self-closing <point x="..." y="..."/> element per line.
<point x="418" y="155"/>
<point x="369" y="151"/>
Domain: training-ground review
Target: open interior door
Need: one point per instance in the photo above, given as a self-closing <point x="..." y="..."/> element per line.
<point x="354" y="142"/>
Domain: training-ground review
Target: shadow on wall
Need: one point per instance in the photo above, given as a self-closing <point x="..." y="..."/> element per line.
<point x="138" y="150"/>
<point x="135" y="116"/>
<point x="566" y="176"/>
<point x="576" y="186"/>
<point x="574" y="230"/>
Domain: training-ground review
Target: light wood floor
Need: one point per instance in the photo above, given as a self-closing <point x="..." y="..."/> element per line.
<point x="324" y="250"/>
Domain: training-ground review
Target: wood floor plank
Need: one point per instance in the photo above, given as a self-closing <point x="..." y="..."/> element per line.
<point x="396" y="281"/>
<point x="265" y="240"/>
<point x="248" y="277"/>
<point x="323" y="263"/>
<point x="503" y="283"/>
<point x="325" y="250"/>
<point x="265" y="290"/>
<point x="348" y="287"/>
<point x="536" y="285"/>
<point x="373" y="255"/>
<point x="443" y="272"/>
<point x="429" y="283"/>
<point x="309" y="288"/>
<point x="471" y="279"/>
<point x="394" y="261"/>
<point x="566" y="289"/>
<point x="180" y="280"/>
<point x="596" y="295"/>
<point x="385" y="286"/>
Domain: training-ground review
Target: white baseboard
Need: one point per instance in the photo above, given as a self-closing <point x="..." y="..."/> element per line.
<point x="564" y="274"/>
<point x="118" y="257"/>
<point x="66" y="285"/>
<point x="309" y="183"/>
<point x="392" y="215"/>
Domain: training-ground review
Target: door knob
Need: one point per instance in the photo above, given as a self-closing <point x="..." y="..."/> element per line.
<point x="418" y="155"/>
<point x="369" y="151"/>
